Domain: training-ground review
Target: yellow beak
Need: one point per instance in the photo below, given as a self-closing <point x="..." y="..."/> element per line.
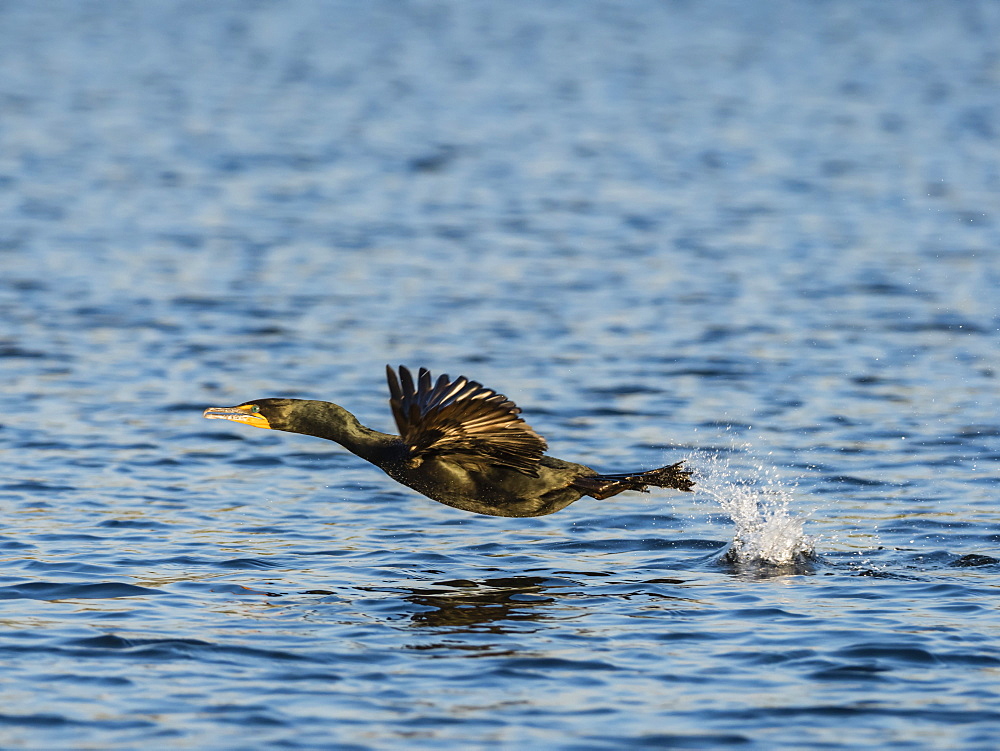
<point x="238" y="414"/>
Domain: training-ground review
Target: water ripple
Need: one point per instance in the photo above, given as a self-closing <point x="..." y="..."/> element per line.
<point x="748" y="235"/>
<point x="70" y="590"/>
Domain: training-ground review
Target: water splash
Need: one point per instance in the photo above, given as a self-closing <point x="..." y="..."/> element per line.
<point x="757" y="501"/>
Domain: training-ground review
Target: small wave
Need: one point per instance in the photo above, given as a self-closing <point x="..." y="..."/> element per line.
<point x="757" y="501"/>
<point x="73" y="591"/>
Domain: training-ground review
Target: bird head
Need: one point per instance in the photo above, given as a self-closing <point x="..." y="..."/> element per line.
<point x="271" y="414"/>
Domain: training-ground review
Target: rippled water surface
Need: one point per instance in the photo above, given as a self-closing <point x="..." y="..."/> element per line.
<point x="761" y="237"/>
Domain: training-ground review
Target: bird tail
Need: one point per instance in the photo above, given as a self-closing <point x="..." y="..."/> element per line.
<point x="605" y="486"/>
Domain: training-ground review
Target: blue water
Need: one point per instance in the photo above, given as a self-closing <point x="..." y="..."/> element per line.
<point x="759" y="236"/>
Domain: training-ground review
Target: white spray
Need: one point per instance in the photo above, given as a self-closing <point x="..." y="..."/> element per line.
<point x="757" y="501"/>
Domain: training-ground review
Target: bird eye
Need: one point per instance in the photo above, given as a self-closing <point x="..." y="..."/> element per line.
<point x="254" y="409"/>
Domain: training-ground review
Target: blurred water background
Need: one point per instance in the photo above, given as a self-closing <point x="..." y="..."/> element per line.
<point x="761" y="236"/>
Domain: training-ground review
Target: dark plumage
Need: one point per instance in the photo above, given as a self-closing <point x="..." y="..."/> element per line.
<point x="460" y="443"/>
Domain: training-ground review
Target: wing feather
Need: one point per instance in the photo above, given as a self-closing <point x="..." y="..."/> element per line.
<point x="463" y="420"/>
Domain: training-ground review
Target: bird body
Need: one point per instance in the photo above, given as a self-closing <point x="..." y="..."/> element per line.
<point x="460" y="444"/>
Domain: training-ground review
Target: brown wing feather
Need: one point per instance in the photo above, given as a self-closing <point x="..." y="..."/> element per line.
<point x="471" y="424"/>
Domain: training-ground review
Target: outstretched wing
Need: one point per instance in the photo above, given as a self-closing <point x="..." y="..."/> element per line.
<point x="463" y="420"/>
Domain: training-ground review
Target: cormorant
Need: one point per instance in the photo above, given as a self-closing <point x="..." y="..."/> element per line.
<point x="460" y="443"/>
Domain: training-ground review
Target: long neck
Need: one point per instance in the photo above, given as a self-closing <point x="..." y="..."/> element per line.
<point x="334" y="423"/>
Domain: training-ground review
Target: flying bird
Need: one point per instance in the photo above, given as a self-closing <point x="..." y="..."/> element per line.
<point x="459" y="443"/>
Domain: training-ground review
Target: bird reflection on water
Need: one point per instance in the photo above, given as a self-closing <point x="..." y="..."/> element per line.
<point x="499" y="605"/>
<point x="511" y="604"/>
